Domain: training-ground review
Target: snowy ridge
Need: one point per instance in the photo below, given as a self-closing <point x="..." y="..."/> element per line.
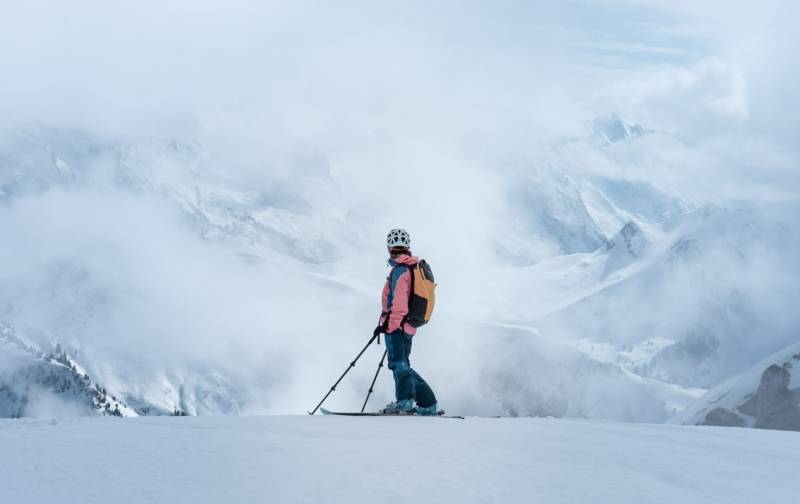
<point x="296" y="218"/>
<point x="551" y="218"/>
<point x="626" y="247"/>
<point x="612" y="129"/>
<point x="32" y="382"/>
<point x="765" y="396"/>
<point x="687" y="272"/>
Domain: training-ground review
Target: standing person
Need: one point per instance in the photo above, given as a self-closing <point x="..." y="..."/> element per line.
<point x="409" y="386"/>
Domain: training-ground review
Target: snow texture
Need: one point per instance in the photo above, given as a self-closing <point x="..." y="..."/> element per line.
<point x="299" y="459"/>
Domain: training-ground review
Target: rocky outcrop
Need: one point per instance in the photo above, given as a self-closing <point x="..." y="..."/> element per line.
<point x="774" y="405"/>
<point x="765" y="397"/>
<point x="724" y="418"/>
<point x="626" y="247"/>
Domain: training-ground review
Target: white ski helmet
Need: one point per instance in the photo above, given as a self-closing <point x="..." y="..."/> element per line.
<point x="398" y="238"/>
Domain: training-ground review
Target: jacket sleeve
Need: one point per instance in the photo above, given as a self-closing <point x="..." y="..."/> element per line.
<point x="402" y="287"/>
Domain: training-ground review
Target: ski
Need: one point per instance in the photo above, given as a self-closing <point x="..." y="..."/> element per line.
<point x="439" y="414"/>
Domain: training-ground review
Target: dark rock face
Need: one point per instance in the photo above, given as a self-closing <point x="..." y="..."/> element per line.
<point x="724" y="418"/>
<point x="774" y="405"/>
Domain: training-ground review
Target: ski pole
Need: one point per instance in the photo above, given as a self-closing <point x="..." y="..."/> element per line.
<point x="373" y="381"/>
<point x="351" y="366"/>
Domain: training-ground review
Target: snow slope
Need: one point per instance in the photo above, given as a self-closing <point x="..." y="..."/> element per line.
<point x="35" y="383"/>
<point x="528" y="375"/>
<point x="765" y="396"/>
<point x="717" y="285"/>
<point x="330" y="459"/>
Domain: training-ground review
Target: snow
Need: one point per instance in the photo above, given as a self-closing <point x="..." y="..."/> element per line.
<point x="611" y="129"/>
<point x="287" y="459"/>
<point x="733" y="392"/>
<point x="173" y="277"/>
<point x="631" y="357"/>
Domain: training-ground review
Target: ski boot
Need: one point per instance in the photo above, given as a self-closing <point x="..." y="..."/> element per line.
<point x="404" y="407"/>
<point x="428" y="411"/>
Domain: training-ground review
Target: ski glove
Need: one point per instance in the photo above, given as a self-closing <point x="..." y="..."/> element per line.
<point x="377" y="332"/>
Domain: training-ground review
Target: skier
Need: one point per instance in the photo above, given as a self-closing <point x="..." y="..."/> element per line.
<point x="409" y="386"/>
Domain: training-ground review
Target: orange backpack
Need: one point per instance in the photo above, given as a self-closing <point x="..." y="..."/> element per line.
<point x="423" y="294"/>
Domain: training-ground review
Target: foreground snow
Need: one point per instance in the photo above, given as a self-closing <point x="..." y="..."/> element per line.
<point x="332" y="459"/>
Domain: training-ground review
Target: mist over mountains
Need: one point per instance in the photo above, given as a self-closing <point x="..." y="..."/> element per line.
<point x="192" y="222"/>
<point x="179" y="289"/>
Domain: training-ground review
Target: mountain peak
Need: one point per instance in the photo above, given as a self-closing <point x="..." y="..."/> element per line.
<point x="612" y="129"/>
<point x="627" y="246"/>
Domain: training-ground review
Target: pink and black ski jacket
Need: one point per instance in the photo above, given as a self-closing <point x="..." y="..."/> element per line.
<point x="396" y="294"/>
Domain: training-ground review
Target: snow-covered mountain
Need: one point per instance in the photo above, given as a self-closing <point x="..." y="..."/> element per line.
<point x="35" y="383"/>
<point x="74" y="297"/>
<point x="612" y="129"/>
<point x="552" y="216"/>
<point x="650" y="320"/>
<point x="709" y="285"/>
<point x="766" y="396"/>
<point x="529" y="375"/>
<point x="626" y="247"/>
<point x="172" y="278"/>
<point x="296" y="215"/>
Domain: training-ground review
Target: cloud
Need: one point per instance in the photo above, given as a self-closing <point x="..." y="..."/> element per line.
<point x="346" y="120"/>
